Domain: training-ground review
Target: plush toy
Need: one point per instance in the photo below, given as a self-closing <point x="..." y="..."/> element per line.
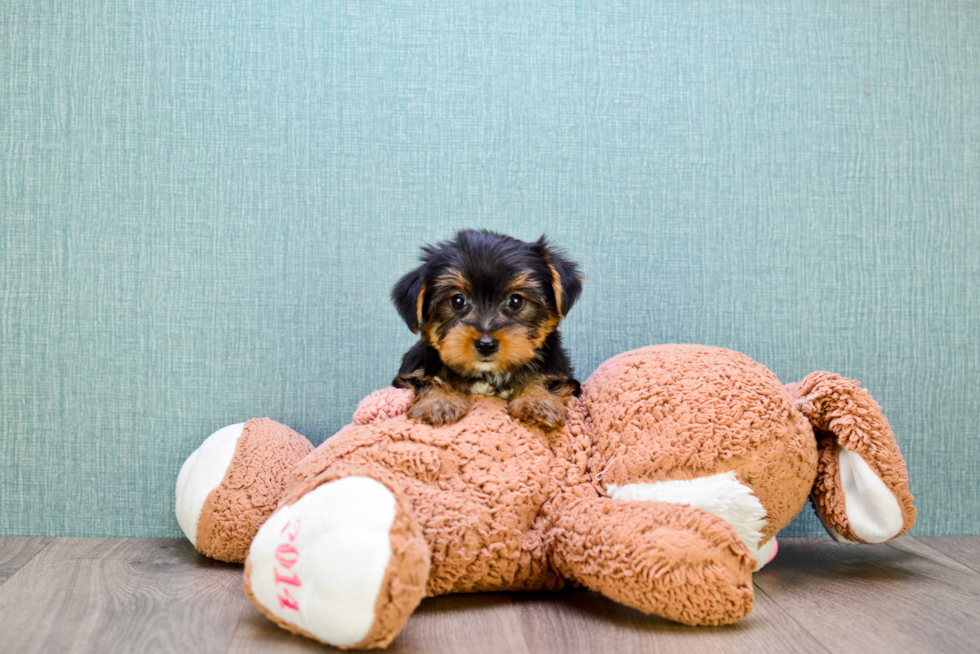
<point x="664" y="491"/>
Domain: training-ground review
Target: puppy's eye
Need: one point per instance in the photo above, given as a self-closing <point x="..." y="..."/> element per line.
<point x="515" y="302"/>
<point x="457" y="301"/>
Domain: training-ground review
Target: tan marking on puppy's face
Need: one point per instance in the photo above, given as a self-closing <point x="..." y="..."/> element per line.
<point x="544" y="329"/>
<point x="457" y="350"/>
<point x="453" y="279"/>
<point x="516" y="348"/>
<point x="523" y="282"/>
<point x="520" y="329"/>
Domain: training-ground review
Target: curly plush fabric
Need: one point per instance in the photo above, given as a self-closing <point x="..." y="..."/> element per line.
<point x="265" y="455"/>
<point x="476" y="488"/>
<point x="383" y="404"/>
<point x="845" y="416"/>
<point x="675" y="466"/>
<point x="684" y="411"/>
<point x="405" y="576"/>
<point x="675" y="561"/>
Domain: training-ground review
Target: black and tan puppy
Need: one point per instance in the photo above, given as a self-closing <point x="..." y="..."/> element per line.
<point x="487" y="307"/>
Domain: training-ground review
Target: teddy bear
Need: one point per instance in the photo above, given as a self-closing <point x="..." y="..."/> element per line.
<point x="664" y="491"/>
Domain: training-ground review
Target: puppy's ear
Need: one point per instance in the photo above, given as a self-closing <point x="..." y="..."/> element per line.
<point x="409" y="298"/>
<point x="565" y="278"/>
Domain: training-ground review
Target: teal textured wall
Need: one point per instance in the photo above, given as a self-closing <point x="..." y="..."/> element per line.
<point x="204" y="204"/>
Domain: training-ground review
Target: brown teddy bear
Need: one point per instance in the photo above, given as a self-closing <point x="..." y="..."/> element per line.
<point x="664" y="491"/>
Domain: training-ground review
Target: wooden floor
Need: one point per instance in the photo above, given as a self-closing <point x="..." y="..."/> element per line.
<point x="159" y="595"/>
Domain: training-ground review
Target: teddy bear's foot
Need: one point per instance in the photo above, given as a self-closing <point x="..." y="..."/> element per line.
<point x="344" y="564"/>
<point x="230" y="484"/>
<point x="722" y="495"/>
<point x="676" y="561"/>
<point x="766" y="553"/>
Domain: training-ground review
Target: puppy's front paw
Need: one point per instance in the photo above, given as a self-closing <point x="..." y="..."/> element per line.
<point x="541" y="409"/>
<point x="439" y="408"/>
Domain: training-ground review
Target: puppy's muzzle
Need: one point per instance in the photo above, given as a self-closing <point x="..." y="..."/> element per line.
<point x="486" y="345"/>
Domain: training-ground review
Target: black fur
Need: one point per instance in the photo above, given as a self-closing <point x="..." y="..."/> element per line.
<point x="489" y="263"/>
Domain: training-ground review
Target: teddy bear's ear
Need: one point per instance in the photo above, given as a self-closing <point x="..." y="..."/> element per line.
<point x="408" y="295"/>
<point x="861" y="493"/>
<point x="566" y="281"/>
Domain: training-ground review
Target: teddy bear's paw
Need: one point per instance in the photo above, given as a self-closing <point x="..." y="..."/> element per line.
<point x="325" y="566"/>
<point x="440" y="408"/>
<point x="541" y="409"/>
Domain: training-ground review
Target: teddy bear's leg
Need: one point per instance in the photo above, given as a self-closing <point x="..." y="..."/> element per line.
<point x="861" y="492"/>
<point x="230" y="484"/>
<point x="676" y="561"/>
<point x="342" y="561"/>
<point x="721" y="494"/>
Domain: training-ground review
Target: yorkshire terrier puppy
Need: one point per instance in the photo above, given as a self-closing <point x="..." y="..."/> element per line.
<point x="487" y="307"/>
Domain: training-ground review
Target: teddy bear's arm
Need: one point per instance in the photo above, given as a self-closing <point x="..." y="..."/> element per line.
<point x="383" y="404"/>
<point x="672" y="560"/>
<point x="861" y="492"/>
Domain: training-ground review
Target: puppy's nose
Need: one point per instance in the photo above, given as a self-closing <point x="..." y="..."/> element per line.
<point x="486" y="345"/>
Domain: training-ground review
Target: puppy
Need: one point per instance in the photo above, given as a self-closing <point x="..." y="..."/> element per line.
<point x="487" y="307"/>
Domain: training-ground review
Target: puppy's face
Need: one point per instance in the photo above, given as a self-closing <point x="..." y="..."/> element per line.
<point x="487" y="302"/>
<point x="491" y="325"/>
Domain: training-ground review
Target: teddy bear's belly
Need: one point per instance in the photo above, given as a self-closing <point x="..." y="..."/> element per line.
<point x="481" y="530"/>
<point x="476" y="489"/>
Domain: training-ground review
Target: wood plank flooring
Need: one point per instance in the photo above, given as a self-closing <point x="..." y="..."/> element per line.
<point x="159" y="595"/>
